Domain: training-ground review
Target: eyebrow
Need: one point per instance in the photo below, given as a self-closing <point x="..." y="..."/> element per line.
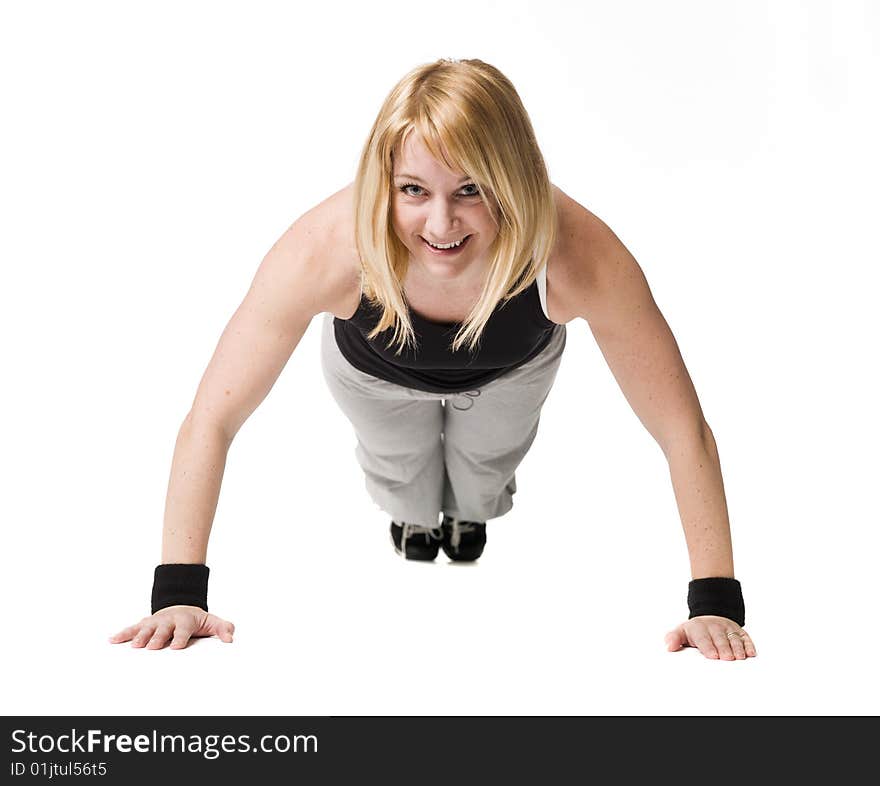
<point x="413" y="177"/>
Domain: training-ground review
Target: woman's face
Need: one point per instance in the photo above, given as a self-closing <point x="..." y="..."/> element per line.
<point x="432" y="203"/>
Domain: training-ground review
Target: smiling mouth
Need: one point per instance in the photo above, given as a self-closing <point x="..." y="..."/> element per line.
<point x="451" y="250"/>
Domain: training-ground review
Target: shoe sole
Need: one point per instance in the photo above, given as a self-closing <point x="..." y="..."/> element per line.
<point x="459" y="557"/>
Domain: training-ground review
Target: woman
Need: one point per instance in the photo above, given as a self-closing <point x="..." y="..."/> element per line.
<point x="447" y="272"/>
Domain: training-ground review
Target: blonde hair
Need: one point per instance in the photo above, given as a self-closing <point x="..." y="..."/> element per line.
<point x="468" y="115"/>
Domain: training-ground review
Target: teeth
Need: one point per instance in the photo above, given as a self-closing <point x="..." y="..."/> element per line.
<point x="449" y="245"/>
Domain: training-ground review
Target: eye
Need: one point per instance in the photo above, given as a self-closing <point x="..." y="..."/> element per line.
<point x="404" y="188"/>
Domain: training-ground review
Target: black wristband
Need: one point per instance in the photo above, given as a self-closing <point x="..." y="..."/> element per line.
<point x="719" y="596"/>
<point x="178" y="584"/>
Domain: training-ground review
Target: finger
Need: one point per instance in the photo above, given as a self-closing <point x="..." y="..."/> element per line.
<point x="722" y="643"/>
<point x="748" y="644"/>
<point x="675" y="640"/>
<point x="124" y="635"/>
<point x="160" y="637"/>
<point x="143" y="636"/>
<point x="214" y="626"/>
<point x="181" y="637"/>
<point x="736" y="645"/>
<point x="704" y="643"/>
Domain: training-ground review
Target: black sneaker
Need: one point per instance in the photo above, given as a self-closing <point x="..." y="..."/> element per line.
<point x="416" y="542"/>
<point x="463" y="541"/>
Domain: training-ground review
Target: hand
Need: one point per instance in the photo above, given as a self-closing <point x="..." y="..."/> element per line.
<point x="181" y="622"/>
<point x="708" y="633"/>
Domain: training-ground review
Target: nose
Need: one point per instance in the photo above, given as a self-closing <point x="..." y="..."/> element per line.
<point x="441" y="222"/>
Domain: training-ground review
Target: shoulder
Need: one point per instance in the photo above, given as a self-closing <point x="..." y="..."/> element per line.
<point x="574" y="268"/>
<point x="327" y="230"/>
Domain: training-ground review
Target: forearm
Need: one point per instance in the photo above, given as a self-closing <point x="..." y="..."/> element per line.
<point x="193" y="490"/>
<point x="695" y="470"/>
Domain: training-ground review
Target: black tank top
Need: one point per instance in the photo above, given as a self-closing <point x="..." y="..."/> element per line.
<point x="515" y="333"/>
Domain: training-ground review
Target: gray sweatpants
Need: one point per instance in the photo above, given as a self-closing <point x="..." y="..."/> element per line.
<point x="424" y="454"/>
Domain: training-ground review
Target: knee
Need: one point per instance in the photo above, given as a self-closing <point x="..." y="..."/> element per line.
<point x="401" y="464"/>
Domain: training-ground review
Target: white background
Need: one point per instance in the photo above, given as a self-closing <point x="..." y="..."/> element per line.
<point x="152" y="153"/>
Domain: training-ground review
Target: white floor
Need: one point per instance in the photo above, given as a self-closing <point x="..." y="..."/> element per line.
<point x="565" y="613"/>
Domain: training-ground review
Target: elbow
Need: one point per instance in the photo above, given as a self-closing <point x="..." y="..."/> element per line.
<point x="709" y="441"/>
<point x="707" y="435"/>
<point x="686" y="438"/>
<point x="199" y="421"/>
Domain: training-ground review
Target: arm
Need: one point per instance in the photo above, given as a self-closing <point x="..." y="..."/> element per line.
<point x="289" y="288"/>
<point x="602" y="283"/>
<point x="605" y="286"/>
<point x="644" y="358"/>
<point x="193" y="490"/>
<point x="299" y="277"/>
